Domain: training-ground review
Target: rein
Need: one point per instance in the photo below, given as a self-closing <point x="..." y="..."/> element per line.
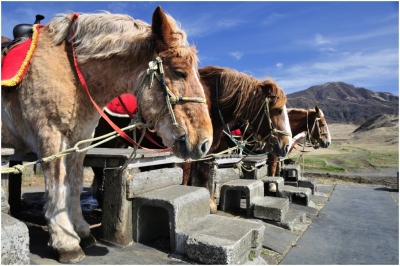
<point x="171" y="99"/>
<point x="266" y="113"/>
<point x="315" y="126"/>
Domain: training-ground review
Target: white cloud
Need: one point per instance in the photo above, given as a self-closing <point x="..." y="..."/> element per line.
<point x="279" y="65"/>
<point x="366" y="69"/>
<point x="320" y="40"/>
<point x="228" y="23"/>
<point x="237" y="55"/>
<point x="273" y="18"/>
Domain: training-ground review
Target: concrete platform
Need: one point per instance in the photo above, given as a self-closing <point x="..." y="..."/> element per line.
<point x="358" y="225"/>
<point x="327" y="240"/>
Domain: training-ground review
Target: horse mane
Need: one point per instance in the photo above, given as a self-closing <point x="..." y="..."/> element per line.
<point x="241" y="89"/>
<point x="300" y="110"/>
<point x="99" y="36"/>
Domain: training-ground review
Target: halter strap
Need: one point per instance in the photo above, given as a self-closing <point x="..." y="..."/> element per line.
<point x="171" y="98"/>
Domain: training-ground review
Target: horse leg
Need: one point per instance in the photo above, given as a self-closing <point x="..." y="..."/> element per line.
<point x="272" y="164"/>
<point x="201" y="179"/>
<point x="96" y="185"/>
<point x="75" y="180"/>
<point x="186" y="167"/>
<point x="63" y="238"/>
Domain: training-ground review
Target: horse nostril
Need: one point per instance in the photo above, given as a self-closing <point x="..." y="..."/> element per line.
<point x="204" y="146"/>
<point x="179" y="133"/>
<point x="286" y="149"/>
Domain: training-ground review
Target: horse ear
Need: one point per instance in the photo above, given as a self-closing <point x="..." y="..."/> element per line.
<point x="316" y="109"/>
<point x="267" y="88"/>
<point x="161" y="29"/>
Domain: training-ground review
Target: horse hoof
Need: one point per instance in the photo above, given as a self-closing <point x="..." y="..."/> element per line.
<point x="87" y="242"/>
<point x="213" y="207"/>
<point x="71" y="256"/>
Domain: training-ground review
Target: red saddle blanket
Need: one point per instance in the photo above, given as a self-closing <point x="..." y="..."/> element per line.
<point x="15" y="63"/>
<point x="116" y="108"/>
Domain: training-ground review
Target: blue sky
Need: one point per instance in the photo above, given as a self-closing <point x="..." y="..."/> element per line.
<point x="298" y="44"/>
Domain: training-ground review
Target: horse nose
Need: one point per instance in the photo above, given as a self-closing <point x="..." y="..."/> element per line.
<point x="204" y="147"/>
<point x="286" y="150"/>
<point x="327" y="144"/>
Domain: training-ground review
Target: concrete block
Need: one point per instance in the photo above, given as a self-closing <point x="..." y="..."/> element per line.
<point x="298" y="195"/>
<point x="292" y="183"/>
<point x="277" y="180"/>
<point x="292" y="218"/>
<point x="142" y="182"/>
<point x="253" y="172"/>
<point x="291" y="172"/>
<point x="162" y="212"/>
<point x="228" y="241"/>
<point x="311" y="183"/>
<point x="231" y="193"/>
<point x="271" y="208"/>
<point x="14" y="241"/>
<point x="222" y="176"/>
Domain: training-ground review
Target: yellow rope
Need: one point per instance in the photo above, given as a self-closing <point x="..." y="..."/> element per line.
<point x="18" y="169"/>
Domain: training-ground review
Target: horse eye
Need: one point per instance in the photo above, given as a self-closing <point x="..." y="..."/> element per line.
<point x="180" y="74"/>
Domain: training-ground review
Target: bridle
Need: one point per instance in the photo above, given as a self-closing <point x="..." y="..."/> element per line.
<point x="272" y="138"/>
<point x="315" y="126"/>
<point x="155" y="69"/>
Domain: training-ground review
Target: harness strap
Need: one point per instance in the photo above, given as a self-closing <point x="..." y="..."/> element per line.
<point x="99" y="110"/>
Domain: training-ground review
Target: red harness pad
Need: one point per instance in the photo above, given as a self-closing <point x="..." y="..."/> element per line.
<point x="15" y="63"/>
<point x="236" y="132"/>
<point x="116" y="108"/>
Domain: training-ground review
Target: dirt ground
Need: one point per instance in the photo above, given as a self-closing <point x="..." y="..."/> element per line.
<point x="381" y="142"/>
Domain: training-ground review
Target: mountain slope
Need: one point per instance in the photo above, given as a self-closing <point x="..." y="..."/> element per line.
<point x="344" y="103"/>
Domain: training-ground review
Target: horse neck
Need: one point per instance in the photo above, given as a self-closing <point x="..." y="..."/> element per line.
<point x="107" y="79"/>
<point x="298" y="121"/>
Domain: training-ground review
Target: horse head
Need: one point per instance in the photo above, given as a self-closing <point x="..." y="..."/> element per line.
<point x="274" y="128"/>
<point x="182" y="96"/>
<point x="319" y="134"/>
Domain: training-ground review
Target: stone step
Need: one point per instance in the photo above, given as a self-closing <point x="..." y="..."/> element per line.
<point x="141" y="182"/>
<point x="291" y="172"/>
<point x="232" y="192"/>
<point x="311" y="183"/>
<point x="162" y="212"/>
<point x="298" y="195"/>
<point x="271" y="208"/>
<point x="270" y="190"/>
<point x="217" y="239"/>
<point x="292" y="218"/>
<point x="14" y="241"/>
<point x="222" y="176"/>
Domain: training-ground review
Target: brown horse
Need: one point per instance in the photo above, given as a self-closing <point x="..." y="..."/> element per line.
<point x="49" y="111"/>
<point x="236" y="96"/>
<point x="309" y="124"/>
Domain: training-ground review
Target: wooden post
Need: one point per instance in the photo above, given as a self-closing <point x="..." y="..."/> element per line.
<point x="117" y="210"/>
<point x="14" y="190"/>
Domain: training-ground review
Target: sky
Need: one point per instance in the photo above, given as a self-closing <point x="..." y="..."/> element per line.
<point x="298" y="44"/>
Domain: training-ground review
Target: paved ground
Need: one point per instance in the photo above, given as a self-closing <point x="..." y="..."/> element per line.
<point x="357" y="225"/>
